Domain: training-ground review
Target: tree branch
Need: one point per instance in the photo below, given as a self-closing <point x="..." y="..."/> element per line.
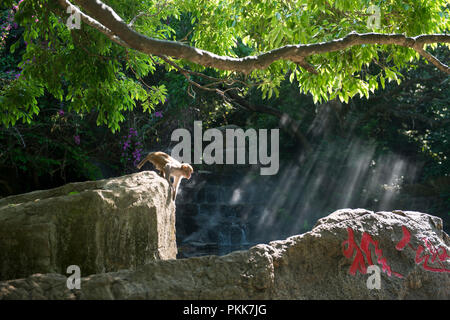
<point x="286" y="121"/>
<point x="110" y="23"/>
<point x="429" y="57"/>
<point x="92" y="22"/>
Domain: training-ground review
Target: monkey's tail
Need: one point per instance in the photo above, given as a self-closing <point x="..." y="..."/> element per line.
<point x="147" y="158"/>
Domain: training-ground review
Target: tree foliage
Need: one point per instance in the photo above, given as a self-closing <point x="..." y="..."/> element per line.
<point x="77" y="78"/>
<point x="93" y="69"/>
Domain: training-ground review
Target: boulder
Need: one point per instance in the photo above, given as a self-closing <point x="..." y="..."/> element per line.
<point x="332" y="260"/>
<point x="100" y="226"/>
<point x="410" y="252"/>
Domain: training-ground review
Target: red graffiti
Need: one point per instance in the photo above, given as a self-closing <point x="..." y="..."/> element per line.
<point x="405" y="240"/>
<point x="359" y="261"/>
<point x="438" y="255"/>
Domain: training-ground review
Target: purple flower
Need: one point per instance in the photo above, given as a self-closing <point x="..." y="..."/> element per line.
<point x="77" y="139"/>
<point x="158" y="114"/>
<point x="137" y="154"/>
<point x="17" y="76"/>
<point x="132" y="131"/>
<point x="61" y="112"/>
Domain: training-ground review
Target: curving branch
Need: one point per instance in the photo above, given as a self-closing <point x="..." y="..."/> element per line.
<point x="430" y="58"/>
<point x="92" y="22"/>
<point x="287" y="123"/>
<point x="111" y="24"/>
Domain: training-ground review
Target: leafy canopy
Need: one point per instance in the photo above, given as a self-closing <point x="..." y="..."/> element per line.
<point x="90" y="73"/>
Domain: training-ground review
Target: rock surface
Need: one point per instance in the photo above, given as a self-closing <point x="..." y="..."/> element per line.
<point x="101" y="226"/>
<point x="329" y="262"/>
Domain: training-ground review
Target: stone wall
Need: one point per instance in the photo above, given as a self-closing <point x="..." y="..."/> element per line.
<point x="219" y="212"/>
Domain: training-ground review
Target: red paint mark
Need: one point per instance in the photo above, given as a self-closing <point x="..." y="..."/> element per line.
<point x="359" y="262"/>
<point x="405" y="240"/>
<point x="428" y="251"/>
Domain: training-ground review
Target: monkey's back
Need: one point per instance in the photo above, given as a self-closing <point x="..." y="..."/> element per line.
<point x="157" y="158"/>
<point x="158" y="154"/>
<point x="153" y="157"/>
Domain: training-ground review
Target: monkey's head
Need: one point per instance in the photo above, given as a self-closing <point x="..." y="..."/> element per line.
<point x="187" y="170"/>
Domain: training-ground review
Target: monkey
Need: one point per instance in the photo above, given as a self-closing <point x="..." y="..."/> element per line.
<point x="167" y="167"/>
